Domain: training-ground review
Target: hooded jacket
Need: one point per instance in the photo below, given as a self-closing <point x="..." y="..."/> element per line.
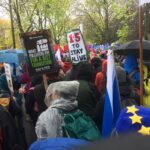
<point x="50" y="121"/>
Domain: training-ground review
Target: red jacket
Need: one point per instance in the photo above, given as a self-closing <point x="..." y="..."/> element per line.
<point x="100" y="80"/>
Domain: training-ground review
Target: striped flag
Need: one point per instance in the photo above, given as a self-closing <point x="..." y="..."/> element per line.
<point x="142" y="2"/>
<point x="112" y="98"/>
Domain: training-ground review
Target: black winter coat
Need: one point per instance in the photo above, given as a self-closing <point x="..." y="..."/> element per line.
<point x="10" y="133"/>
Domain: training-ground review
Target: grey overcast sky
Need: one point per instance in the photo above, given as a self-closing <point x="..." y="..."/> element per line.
<point x="3" y="13"/>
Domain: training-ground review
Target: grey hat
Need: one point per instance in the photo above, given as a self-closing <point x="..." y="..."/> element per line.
<point x="121" y="74"/>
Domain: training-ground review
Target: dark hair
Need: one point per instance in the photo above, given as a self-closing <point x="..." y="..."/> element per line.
<point x="96" y="62"/>
<point x="85" y="71"/>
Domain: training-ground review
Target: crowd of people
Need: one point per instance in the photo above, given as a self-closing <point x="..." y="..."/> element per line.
<point x="77" y="90"/>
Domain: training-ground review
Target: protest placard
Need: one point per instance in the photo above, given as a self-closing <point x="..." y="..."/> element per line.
<point x="77" y="49"/>
<point x="8" y="78"/>
<point x="39" y="51"/>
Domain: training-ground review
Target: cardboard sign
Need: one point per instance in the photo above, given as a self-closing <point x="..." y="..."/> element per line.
<point x="76" y="46"/>
<point x="39" y="52"/>
<point x="8" y="77"/>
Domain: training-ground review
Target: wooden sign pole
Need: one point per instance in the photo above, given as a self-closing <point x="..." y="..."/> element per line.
<point x="141" y="55"/>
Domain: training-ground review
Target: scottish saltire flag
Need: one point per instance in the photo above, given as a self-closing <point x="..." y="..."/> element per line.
<point x="142" y="2"/>
<point x="112" y="98"/>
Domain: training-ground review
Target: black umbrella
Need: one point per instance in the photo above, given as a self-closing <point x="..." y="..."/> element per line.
<point x="132" y="48"/>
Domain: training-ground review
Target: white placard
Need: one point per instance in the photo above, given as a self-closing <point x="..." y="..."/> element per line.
<point x="8" y="77"/>
<point x="76" y="46"/>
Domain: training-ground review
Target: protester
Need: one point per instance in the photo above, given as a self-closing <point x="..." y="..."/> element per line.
<point x="30" y="102"/>
<point x="11" y="136"/>
<point x="71" y="73"/>
<point x="88" y="95"/>
<point x="101" y="78"/>
<point x="59" y="95"/>
<point x="13" y="107"/>
<point x="96" y="63"/>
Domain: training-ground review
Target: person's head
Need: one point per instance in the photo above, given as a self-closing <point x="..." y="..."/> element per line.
<point x="96" y="62"/>
<point x="85" y="72"/>
<point x="67" y="90"/>
<point x="57" y="75"/>
<point x="4" y="99"/>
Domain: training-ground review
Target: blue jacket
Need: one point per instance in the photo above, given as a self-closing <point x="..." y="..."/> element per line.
<point x="58" y="144"/>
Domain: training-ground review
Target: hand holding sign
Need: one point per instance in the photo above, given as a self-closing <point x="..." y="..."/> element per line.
<point x="76" y="45"/>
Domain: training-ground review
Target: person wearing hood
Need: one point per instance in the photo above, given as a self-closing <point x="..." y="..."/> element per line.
<point x="59" y="96"/>
<point x="13" y="107"/>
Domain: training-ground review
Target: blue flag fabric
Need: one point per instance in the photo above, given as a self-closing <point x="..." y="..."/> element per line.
<point x="134" y="119"/>
<point x="112" y="98"/>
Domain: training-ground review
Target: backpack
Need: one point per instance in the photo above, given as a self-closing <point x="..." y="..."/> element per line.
<point x="77" y="125"/>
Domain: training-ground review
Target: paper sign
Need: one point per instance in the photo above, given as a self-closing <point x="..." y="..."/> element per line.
<point x="76" y="46"/>
<point x="8" y="77"/>
<point x="39" y="52"/>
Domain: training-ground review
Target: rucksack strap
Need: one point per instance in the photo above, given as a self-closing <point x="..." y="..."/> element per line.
<point x="62" y="111"/>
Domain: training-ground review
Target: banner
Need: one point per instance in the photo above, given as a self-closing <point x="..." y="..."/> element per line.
<point x="77" y="49"/>
<point x="8" y="77"/>
<point x="39" y="51"/>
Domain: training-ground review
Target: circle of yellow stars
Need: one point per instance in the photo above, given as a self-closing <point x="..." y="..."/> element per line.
<point x="137" y="119"/>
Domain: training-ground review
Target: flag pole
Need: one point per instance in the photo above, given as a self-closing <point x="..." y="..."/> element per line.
<point x="141" y="53"/>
